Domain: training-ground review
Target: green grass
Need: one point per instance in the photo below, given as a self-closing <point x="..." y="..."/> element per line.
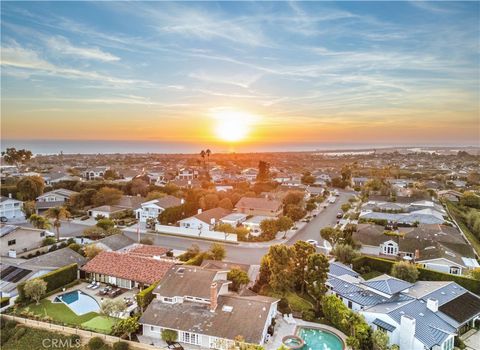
<point x="100" y="323"/>
<point x="457" y="214"/>
<point x="33" y="339"/>
<point x="297" y="302"/>
<point x="59" y="312"/>
<point x="372" y="274"/>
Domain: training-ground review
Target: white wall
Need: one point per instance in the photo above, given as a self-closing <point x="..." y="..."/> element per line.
<point x="182" y="231"/>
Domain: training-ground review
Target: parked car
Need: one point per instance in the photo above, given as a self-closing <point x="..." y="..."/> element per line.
<point x="3" y="219"/>
<point x="339" y="215"/>
<point x="312" y="242"/>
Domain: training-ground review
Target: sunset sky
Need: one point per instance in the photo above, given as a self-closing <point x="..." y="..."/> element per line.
<point x="242" y="72"/>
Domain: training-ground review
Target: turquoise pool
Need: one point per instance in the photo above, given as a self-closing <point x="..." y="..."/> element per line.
<point x="317" y="339"/>
<point x="78" y="302"/>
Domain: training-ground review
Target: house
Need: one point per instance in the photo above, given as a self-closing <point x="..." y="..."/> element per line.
<point x="359" y="181"/>
<point x="204" y="220"/>
<point x="54" y="178"/>
<point x="187" y="174"/>
<point x="451" y="195"/>
<point x="153" y="208"/>
<point x="436" y="247"/>
<point x="95" y="173"/>
<point x="253" y="224"/>
<point x="11" y="209"/>
<point x="259" y="206"/>
<point x="116" y="242"/>
<point x="16" y="270"/>
<point x="55" y="198"/>
<point x="234" y="219"/>
<point x="16" y="239"/>
<point x="126" y="269"/>
<point x="419" y="316"/>
<point x="251" y="270"/>
<point x="313" y="191"/>
<point x="223" y="188"/>
<point x="186" y="183"/>
<point x="249" y="174"/>
<point x="125" y="205"/>
<point x="195" y="303"/>
<point x="423" y="212"/>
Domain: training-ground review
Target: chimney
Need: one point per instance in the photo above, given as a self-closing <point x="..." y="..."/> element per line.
<point x="432" y="304"/>
<point x="212" y="221"/>
<point x="417" y="254"/>
<point x="199" y="211"/>
<point x="213" y="296"/>
<point x="9" y="195"/>
<point x="407" y="332"/>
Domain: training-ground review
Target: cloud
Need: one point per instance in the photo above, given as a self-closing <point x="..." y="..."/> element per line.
<point x="430" y="6"/>
<point x="63" y="46"/>
<point x="18" y="57"/>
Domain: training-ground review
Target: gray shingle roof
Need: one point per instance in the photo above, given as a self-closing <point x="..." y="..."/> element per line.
<point x="387" y="284"/>
<point x="339" y="269"/>
<point x="430" y="328"/>
<point x="384" y="325"/>
<point x="116" y="242"/>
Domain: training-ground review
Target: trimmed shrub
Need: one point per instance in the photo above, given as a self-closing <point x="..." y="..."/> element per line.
<point x="96" y="343"/>
<point x="145" y="297"/>
<point x="120" y="345"/>
<point x="55" y="279"/>
<point x="4" y="301"/>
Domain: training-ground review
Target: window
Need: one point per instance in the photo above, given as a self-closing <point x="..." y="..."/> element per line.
<point x="42" y="234"/>
<point x="12" y="242"/>
<point x="454" y="270"/>
<point x="168" y="300"/>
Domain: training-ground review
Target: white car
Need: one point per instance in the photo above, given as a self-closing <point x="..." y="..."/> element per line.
<point x="312" y="242"/>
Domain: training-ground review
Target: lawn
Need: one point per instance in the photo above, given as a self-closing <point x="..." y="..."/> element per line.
<point x="372" y="274"/>
<point x="297" y="302"/>
<point x="457" y="214"/>
<point x="61" y="313"/>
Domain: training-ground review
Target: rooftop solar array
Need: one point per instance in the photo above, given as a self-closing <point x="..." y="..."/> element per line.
<point x="13" y="274"/>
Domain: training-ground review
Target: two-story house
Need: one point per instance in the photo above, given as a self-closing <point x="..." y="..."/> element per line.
<point x="95" y="173"/>
<point x="11" y="209"/>
<point x="16" y="239"/>
<point x="153" y="208"/>
<point x="195" y="303"/>
<point x="187" y="174"/>
<point x="55" y="198"/>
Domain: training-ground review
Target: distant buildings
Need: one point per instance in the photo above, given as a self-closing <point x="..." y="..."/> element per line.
<point x="95" y="173"/>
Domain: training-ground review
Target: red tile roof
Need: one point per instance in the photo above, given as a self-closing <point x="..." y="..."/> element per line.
<point x="148" y="250"/>
<point x="128" y="266"/>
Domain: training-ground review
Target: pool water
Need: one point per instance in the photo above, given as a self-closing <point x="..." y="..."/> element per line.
<point x="316" y="339"/>
<point x="78" y="302"/>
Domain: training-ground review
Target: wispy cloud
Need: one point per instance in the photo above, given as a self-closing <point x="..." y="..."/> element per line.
<point x="63" y="47"/>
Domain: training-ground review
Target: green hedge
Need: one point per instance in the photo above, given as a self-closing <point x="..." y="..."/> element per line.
<point x="385" y="266"/>
<point x="55" y="280"/>
<point x="4" y="301"/>
<point x="145" y="297"/>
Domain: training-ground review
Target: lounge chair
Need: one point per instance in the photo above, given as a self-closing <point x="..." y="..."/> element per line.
<point x="91" y="285"/>
<point x="96" y="286"/>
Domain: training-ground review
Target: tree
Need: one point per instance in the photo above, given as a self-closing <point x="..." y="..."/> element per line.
<point x="28" y="208"/>
<point x="471" y="200"/>
<point x="209" y="201"/>
<point x="263" y="171"/>
<point x="238" y="278"/>
<point x="308" y="178"/>
<point x="107" y="196"/>
<point x="475" y="273"/>
<point x="269" y="228"/>
<point x="316" y="276"/>
<point x="171" y="215"/>
<point x="39" y="222"/>
<point x="146" y="241"/>
<point x="301" y="251"/>
<point x="295" y="212"/>
<point x="126" y="326"/>
<point x="339" y="183"/>
<point x="30" y="187"/>
<point x="344" y="253"/>
<point x="94" y="232"/>
<point x="57" y="214"/>
<point x="332" y="235"/>
<point x="293" y="197"/>
<point x="280" y="266"/>
<point x="226" y="203"/>
<point x="35" y="289"/>
<point x="138" y="187"/>
<point x="110" y="174"/>
<point x="227" y="228"/>
<point x="405" y="271"/>
<point x="346" y="207"/>
<point x="284" y="224"/>
<point x="217" y="251"/>
<point x="203" y="154"/>
<point x="16" y="157"/>
<point x="154" y="195"/>
<point x="191" y="252"/>
<point x="92" y="251"/>
<point x="105" y="224"/>
<point x="169" y="335"/>
<point x="110" y="307"/>
<point x="380" y="340"/>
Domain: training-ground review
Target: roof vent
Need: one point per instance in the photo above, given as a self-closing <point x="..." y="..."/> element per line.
<point x="227" y="308"/>
<point x="421" y="314"/>
<point x="181" y="270"/>
<point x="402" y="312"/>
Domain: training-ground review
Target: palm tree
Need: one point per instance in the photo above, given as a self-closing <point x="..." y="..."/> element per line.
<point x="208" y="153"/>
<point x="57" y="214"/>
<point x="39" y="222"/>
<point x="203" y="154"/>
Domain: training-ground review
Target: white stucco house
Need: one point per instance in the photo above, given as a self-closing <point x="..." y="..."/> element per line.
<point x="153" y="208"/>
<point x="11" y="209"/>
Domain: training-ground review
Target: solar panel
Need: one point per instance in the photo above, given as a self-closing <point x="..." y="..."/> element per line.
<point x="14" y="274"/>
<point x="20" y="275"/>
<point x="5" y="272"/>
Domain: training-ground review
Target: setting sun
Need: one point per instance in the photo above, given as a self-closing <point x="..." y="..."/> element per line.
<point x="232" y="125"/>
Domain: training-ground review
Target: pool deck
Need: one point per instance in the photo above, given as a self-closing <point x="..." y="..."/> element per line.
<point x="282" y="329"/>
<point x="95" y="293"/>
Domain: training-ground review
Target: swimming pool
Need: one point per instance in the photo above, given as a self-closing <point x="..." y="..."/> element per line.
<point x="318" y="339"/>
<point x="78" y="302"/>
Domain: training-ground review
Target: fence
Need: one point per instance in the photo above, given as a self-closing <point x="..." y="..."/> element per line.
<point x="195" y="233"/>
<point x="80" y="332"/>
